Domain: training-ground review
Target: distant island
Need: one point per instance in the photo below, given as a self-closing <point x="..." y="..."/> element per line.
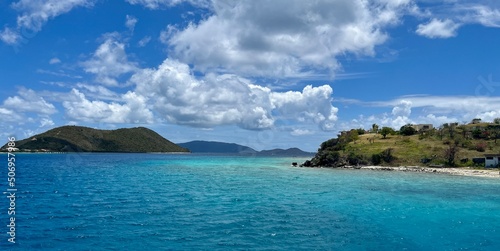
<point x="84" y="139"/>
<point x="199" y="146"/>
<point x="475" y="144"/>
<point x="131" y="140"/>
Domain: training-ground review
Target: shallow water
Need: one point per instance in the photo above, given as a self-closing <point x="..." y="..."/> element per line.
<point x="180" y="202"/>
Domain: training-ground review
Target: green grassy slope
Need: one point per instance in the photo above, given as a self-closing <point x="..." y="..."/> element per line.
<point x="469" y="141"/>
<point x="409" y="150"/>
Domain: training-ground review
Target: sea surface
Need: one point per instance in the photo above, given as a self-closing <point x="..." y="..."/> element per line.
<point x="213" y="202"/>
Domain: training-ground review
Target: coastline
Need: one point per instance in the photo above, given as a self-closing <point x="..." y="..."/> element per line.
<point x="462" y="171"/>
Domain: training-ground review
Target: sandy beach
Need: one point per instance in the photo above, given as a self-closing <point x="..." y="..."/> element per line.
<point x="464" y="171"/>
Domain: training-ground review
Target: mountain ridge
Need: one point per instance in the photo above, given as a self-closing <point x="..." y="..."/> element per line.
<point x="86" y="139"/>
<point x="201" y="146"/>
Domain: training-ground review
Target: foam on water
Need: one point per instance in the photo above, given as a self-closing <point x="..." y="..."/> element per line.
<point x="179" y="202"/>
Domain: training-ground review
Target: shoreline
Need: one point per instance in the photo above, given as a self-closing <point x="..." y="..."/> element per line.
<point x="460" y="171"/>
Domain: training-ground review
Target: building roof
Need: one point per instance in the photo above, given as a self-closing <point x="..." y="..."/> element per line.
<point x="492" y="155"/>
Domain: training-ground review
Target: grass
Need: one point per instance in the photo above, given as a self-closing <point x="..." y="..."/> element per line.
<point x="409" y="150"/>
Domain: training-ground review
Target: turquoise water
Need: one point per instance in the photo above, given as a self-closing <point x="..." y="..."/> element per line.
<point x="196" y="202"/>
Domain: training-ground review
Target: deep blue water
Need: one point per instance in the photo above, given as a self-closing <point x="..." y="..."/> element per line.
<point x="196" y="202"/>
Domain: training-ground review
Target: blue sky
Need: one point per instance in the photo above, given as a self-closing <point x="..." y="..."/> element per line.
<point x="265" y="74"/>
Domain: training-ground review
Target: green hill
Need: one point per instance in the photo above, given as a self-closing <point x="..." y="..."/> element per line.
<point x="451" y="145"/>
<point x="199" y="146"/>
<point x="84" y="139"/>
<point x="292" y="152"/>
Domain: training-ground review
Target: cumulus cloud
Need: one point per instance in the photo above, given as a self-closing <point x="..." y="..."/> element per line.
<point x="402" y="109"/>
<point x="284" y="38"/>
<point x="108" y="62"/>
<point x="313" y="103"/>
<point x="213" y="99"/>
<point x="29" y="101"/>
<point x="132" y="109"/>
<point x="437" y="28"/>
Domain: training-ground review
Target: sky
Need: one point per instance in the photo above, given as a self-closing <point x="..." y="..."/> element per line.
<point x="265" y="74"/>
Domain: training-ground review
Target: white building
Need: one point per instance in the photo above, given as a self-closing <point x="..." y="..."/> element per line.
<point x="492" y="160"/>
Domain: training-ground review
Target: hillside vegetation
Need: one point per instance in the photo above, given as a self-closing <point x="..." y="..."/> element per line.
<point x="84" y="139"/>
<point x="449" y="145"/>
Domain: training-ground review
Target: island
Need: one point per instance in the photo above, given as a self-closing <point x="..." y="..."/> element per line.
<point x="214" y="147"/>
<point x="85" y="139"/>
<point x="454" y="148"/>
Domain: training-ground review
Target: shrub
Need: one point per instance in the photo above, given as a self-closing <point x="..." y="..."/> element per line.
<point x="354" y="159"/>
<point x="376" y="159"/>
<point x="481" y="146"/>
<point x="387" y="155"/>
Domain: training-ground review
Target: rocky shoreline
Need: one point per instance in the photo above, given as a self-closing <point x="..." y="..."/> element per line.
<point x="464" y="171"/>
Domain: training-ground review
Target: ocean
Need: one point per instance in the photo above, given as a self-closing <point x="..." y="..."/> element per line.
<point x="213" y="202"/>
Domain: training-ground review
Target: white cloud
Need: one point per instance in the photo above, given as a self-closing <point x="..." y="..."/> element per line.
<point x="54" y="61"/>
<point x="436" y="120"/>
<point x="284" y="38"/>
<point x="402" y="109"/>
<point x="9" y="36"/>
<point x="156" y="4"/>
<point x="301" y="132"/>
<point x="100" y="92"/>
<point x="8" y="115"/>
<point x="108" y="62"/>
<point x="435" y="110"/>
<point x="29" y="101"/>
<point x="46" y="122"/>
<point x="130" y="22"/>
<point x="213" y="100"/>
<point x="449" y="16"/>
<point x="144" y="41"/>
<point x="132" y="110"/>
<point x="482" y="14"/>
<point x="36" y="13"/>
<point x="313" y="103"/>
<point x="437" y="28"/>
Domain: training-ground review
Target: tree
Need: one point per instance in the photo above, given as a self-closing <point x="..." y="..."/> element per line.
<point x="407" y="130"/>
<point x="494" y="131"/>
<point x="496" y="121"/>
<point x="450" y="154"/>
<point x="386" y="130"/>
<point x="451" y="129"/>
<point x="375" y="128"/>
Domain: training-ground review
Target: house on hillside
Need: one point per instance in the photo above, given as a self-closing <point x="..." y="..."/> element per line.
<point x="492" y="160"/>
<point x="422" y="127"/>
